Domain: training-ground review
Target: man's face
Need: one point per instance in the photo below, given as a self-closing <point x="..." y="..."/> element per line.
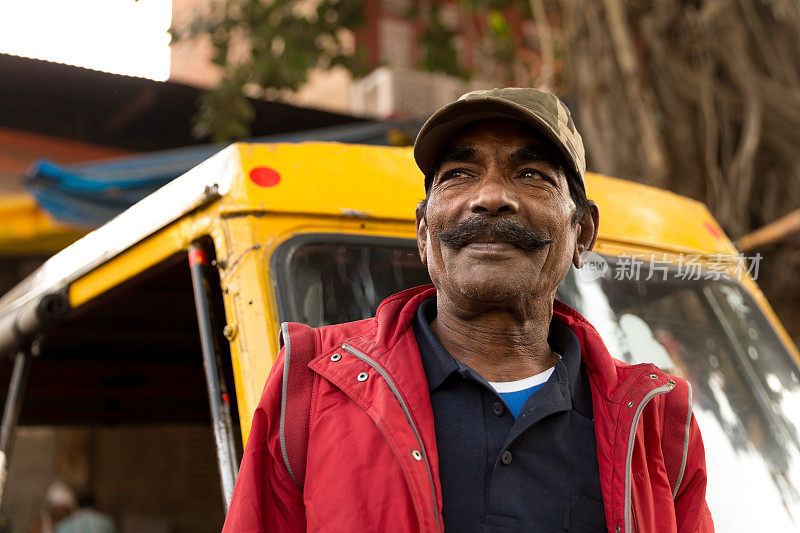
<point x="499" y="223"/>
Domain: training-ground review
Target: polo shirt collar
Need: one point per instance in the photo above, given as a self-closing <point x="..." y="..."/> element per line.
<point x="439" y="364"/>
<point x="436" y="360"/>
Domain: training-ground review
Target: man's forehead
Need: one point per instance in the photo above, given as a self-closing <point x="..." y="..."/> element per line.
<point x="507" y="136"/>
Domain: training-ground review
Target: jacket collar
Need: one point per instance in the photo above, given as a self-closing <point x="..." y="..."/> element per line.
<point x="610" y="377"/>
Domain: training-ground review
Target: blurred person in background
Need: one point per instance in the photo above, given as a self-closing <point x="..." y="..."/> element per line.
<point x="60" y="502"/>
<point x="86" y="520"/>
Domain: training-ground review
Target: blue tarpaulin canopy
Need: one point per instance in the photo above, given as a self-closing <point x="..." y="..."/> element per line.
<point x="90" y="194"/>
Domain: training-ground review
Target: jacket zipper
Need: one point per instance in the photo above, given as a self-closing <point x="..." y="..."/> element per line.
<point x="629" y="457"/>
<point x="371" y="362"/>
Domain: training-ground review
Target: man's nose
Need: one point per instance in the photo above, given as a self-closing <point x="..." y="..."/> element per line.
<point x="493" y="197"/>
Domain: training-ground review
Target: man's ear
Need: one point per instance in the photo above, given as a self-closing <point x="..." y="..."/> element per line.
<point x="422" y="234"/>
<point x="586" y="233"/>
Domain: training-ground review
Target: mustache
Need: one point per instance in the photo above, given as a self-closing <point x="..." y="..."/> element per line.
<point x="501" y="228"/>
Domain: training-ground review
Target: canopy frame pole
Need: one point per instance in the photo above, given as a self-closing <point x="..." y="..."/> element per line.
<point x="217" y="391"/>
<point x="11" y="411"/>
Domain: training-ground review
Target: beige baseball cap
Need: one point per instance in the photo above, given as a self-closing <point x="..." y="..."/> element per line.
<point x="541" y="110"/>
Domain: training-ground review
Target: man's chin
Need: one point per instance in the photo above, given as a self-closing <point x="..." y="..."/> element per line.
<point x="496" y="289"/>
<point x="485" y="280"/>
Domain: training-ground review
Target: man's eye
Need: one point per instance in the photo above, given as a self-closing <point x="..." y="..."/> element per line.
<point x="531" y="174"/>
<point x="455" y="173"/>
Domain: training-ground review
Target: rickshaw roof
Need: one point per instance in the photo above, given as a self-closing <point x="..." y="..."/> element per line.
<point x="346" y="180"/>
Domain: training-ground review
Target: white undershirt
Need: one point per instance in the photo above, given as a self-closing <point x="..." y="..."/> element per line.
<point x="522" y="384"/>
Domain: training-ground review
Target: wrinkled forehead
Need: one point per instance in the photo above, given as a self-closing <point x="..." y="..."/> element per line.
<point x="507" y="138"/>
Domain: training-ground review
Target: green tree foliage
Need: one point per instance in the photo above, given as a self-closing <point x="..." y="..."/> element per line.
<point x="438" y="44"/>
<point x="265" y="47"/>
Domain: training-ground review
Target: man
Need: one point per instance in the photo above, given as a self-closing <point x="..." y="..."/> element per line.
<point x="482" y="404"/>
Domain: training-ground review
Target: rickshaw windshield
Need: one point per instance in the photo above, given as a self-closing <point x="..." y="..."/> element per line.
<point x="746" y="386"/>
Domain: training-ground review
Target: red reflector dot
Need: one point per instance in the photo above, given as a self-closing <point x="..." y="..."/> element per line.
<point x="265" y="176"/>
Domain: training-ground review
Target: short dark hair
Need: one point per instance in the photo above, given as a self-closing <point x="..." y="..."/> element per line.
<point x="575" y="184"/>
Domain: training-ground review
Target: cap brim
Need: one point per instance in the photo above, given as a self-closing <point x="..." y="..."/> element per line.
<point x="448" y="121"/>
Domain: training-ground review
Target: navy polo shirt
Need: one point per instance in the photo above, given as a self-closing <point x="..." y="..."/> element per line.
<point x="537" y="472"/>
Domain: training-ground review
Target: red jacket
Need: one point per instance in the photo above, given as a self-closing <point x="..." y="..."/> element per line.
<point x="365" y="472"/>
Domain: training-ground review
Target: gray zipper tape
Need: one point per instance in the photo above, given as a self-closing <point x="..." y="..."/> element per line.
<point x="631" y="440"/>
